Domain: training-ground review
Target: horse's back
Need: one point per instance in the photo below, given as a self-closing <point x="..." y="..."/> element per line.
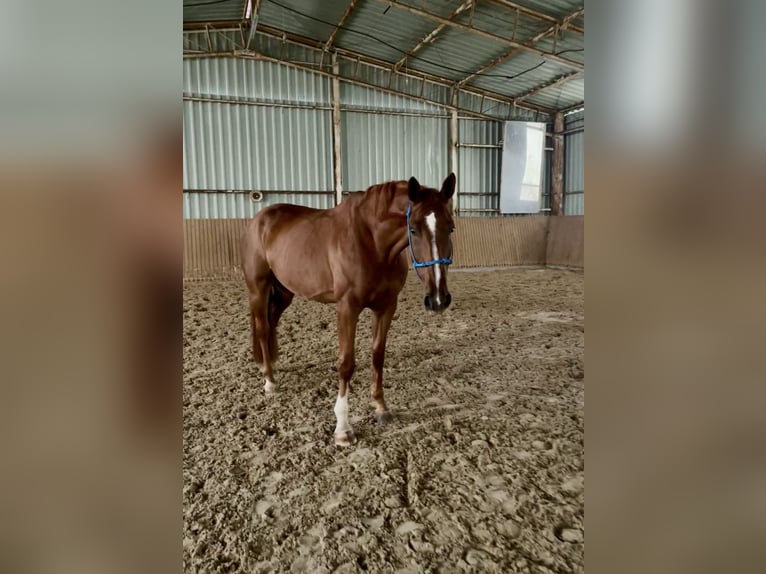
<point x="284" y="219"/>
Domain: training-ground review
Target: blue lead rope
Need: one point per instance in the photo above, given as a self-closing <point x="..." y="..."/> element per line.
<point x="418" y="264"/>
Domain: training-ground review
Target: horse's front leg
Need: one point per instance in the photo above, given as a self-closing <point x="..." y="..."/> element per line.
<point x="380" y="323"/>
<point x="348" y="314"/>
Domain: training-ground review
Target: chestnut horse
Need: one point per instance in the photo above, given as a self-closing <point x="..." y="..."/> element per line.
<point x="352" y="255"/>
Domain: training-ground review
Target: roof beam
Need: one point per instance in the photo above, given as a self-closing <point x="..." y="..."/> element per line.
<point x="537" y="15"/>
<point x="370" y="61"/>
<point x="428" y="38"/>
<point x="380" y="64"/>
<point x="250" y="55"/>
<point x="351" y="55"/>
<point x="515" y="51"/>
<point x="216" y="25"/>
<point x="253" y="22"/>
<point x="342" y="21"/>
<point x="484" y="33"/>
<point x="572" y="107"/>
<point x="550" y="84"/>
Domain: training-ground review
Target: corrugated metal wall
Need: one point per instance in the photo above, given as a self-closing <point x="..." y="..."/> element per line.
<point x="243" y="147"/>
<point x="479" y="168"/>
<point x="253" y="80"/>
<point x="355" y="97"/>
<point x="241" y="144"/>
<point x="379" y="148"/>
<point x="574" y="164"/>
<point x="545" y="204"/>
<point x="274" y="133"/>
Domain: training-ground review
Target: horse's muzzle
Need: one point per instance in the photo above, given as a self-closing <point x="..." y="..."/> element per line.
<point x="437" y="303"/>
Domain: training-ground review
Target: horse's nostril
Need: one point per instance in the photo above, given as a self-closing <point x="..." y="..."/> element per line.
<point x="447" y="300"/>
<point x="427" y="303"/>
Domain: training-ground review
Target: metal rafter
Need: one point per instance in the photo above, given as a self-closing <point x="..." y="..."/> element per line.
<point x="341" y="22"/>
<point x="537" y="15"/>
<point x="370" y="61"/>
<point x="428" y="38"/>
<point x="555" y="82"/>
<point x="253" y="22"/>
<point x="216" y="25"/>
<point x="515" y="51"/>
<point x="489" y="35"/>
<point x="572" y="107"/>
<point x="350" y="56"/>
<point x="250" y="55"/>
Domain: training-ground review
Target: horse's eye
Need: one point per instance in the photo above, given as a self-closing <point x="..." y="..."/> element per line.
<point x="413" y="231"/>
<point x="452" y="230"/>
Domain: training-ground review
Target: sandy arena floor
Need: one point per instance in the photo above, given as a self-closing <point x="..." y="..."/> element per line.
<point x="481" y="470"/>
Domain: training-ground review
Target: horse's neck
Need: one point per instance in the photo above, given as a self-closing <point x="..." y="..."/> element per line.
<point x="384" y="216"/>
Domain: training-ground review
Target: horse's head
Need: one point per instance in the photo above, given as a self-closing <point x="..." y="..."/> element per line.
<point x="431" y="224"/>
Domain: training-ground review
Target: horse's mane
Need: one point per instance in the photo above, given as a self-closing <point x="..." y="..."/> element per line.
<point x="386" y="189"/>
<point x="379" y="197"/>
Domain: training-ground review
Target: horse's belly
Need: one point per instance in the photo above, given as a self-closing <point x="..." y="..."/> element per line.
<point x="304" y="273"/>
<point x="308" y="284"/>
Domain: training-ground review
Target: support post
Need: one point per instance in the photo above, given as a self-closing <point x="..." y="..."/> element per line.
<point x="336" y="156"/>
<point x="557" y="166"/>
<point x="453" y="143"/>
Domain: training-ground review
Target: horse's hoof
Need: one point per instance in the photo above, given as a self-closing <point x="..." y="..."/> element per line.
<point x="383" y="418"/>
<point x="345" y="438"/>
<point x="269" y="387"/>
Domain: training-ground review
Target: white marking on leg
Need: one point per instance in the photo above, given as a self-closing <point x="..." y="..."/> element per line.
<point x="431" y="223"/>
<point x="269" y="386"/>
<point x="341" y="414"/>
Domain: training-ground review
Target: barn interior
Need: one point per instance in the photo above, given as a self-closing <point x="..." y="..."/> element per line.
<point x="357" y="93"/>
<point x="290" y="101"/>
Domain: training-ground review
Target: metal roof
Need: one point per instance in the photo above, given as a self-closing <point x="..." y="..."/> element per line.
<point x="214" y="10"/>
<point x="527" y="52"/>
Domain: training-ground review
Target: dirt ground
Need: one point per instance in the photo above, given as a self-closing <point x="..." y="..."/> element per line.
<point x="481" y="470"/>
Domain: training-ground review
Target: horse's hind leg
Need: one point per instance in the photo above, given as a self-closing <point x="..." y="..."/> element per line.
<point x="264" y="308"/>
<point x="259" y="320"/>
<point x="268" y="300"/>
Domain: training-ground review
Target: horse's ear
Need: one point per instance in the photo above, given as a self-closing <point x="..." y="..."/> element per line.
<point x="448" y="187"/>
<point x="414" y="190"/>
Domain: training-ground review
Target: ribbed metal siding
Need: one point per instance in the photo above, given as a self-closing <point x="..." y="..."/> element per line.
<point x="479" y="168"/>
<point x="239" y="146"/>
<point x="239" y="205"/>
<point x="575" y="120"/>
<point x="353" y="96"/>
<point x="574" y="204"/>
<point x="379" y="148"/>
<point x="504" y="111"/>
<point x="237" y="78"/>
<point x="545" y="200"/>
<point x="574" y="173"/>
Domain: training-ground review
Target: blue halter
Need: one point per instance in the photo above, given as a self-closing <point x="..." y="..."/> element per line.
<point x="418" y="264"/>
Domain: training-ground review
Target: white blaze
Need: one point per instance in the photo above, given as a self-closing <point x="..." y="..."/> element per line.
<point x="341" y="414"/>
<point x="431" y="223"/>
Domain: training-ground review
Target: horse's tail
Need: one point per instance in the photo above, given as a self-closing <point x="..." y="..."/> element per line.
<point x="279" y="300"/>
<point x="276" y="306"/>
<point x="257" y="352"/>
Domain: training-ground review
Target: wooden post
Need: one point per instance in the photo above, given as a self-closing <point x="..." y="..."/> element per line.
<point x="557" y="166"/>
<point x="336" y="156"/>
<point x="453" y="141"/>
